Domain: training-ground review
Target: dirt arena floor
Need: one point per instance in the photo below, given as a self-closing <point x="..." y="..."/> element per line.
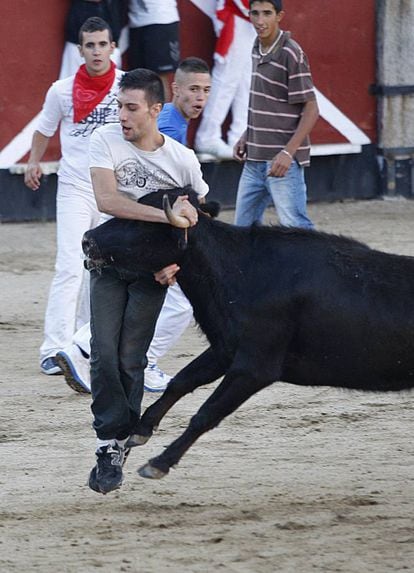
<point x="297" y="480"/>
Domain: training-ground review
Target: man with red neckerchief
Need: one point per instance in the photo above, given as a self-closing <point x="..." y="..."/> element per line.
<point x="79" y="104"/>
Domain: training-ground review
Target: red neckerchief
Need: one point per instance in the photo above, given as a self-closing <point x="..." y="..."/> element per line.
<point x="226" y="15"/>
<point x="88" y="91"/>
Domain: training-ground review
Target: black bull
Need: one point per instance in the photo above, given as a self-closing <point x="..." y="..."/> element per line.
<point x="298" y="306"/>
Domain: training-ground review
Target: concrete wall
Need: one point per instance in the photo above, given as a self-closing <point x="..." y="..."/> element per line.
<point x="329" y="178"/>
<point x="395" y="74"/>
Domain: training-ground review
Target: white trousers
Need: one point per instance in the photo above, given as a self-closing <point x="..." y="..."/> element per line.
<point x="68" y="302"/>
<point x="229" y="89"/>
<point x="176" y="314"/>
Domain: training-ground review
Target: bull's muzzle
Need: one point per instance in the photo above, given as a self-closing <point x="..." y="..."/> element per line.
<point x="89" y="246"/>
<point x="91" y="250"/>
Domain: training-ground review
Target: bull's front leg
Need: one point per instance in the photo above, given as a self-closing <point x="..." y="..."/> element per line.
<point x="204" y="369"/>
<point x="235" y="389"/>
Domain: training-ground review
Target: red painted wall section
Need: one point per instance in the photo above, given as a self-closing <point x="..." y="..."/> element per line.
<point x="339" y="38"/>
<point x="31" y="44"/>
<point x="196" y="32"/>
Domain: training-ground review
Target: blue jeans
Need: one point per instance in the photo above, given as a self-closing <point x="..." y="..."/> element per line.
<point x="257" y="190"/>
<point x="124" y="311"/>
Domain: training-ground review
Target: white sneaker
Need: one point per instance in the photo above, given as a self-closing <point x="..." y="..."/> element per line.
<point x="75" y="368"/>
<point x="155" y="380"/>
<point x="216" y="150"/>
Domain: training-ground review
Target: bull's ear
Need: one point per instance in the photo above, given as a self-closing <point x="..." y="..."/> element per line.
<point x="192" y="195"/>
<point x="180" y="236"/>
<point x="212" y="208"/>
<point x="183" y="240"/>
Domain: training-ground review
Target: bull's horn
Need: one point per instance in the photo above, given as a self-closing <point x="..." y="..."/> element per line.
<point x="175" y="220"/>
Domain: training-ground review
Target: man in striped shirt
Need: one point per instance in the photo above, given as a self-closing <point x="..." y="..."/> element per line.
<point x="282" y="112"/>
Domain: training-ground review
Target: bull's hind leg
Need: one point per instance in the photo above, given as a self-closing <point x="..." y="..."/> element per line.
<point x="235" y="389"/>
<point x="202" y="370"/>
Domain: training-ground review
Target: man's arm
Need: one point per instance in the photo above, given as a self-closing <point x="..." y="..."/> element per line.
<point x="283" y="159"/>
<point x="34" y="171"/>
<point x="110" y="201"/>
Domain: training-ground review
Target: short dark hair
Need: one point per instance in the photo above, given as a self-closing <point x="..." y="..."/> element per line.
<point x="193" y="65"/>
<point x="145" y="80"/>
<point x="276" y="3"/>
<point x="94" y="24"/>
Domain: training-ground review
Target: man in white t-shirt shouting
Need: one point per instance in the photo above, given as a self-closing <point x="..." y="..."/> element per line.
<point x="127" y="162"/>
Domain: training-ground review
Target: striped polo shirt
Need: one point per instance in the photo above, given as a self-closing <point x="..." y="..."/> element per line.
<point x="281" y="84"/>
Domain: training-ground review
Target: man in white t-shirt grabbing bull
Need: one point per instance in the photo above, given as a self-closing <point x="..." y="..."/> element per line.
<point x="127" y="162"/>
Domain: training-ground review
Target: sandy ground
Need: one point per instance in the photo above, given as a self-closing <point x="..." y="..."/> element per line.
<point x="298" y="480"/>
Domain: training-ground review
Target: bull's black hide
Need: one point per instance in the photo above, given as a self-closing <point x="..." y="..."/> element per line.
<point x="275" y="303"/>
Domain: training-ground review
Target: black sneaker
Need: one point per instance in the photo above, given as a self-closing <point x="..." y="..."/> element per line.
<point x="107" y="473"/>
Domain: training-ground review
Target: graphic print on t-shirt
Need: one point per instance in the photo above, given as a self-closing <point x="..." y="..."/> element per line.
<point x="131" y="174"/>
<point x="101" y="115"/>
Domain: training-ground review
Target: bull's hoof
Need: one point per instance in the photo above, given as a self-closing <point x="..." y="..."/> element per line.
<point x="136" y="440"/>
<point x="151" y="472"/>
